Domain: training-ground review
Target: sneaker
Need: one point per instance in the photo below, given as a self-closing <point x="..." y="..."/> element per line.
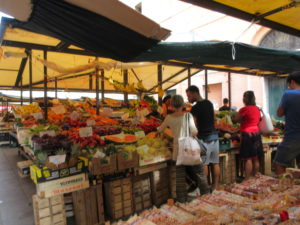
<point x="195" y="193"/>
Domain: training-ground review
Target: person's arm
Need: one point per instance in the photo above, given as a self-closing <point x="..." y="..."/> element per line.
<point x="164" y="125"/>
<point x="281" y="107"/>
<point x="192" y="126"/>
<point x="238" y="117"/>
<point x="280" y="111"/>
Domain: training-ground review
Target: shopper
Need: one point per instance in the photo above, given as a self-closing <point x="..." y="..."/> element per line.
<point x="225" y="106"/>
<point x="289" y="149"/>
<point x="203" y="113"/>
<point x="166" y="105"/>
<point x="251" y="144"/>
<point x="176" y="123"/>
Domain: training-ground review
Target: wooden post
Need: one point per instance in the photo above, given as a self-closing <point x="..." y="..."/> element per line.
<point x="97" y="91"/>
<point x="189" y="76"/>
<point x="229" y="88"/>
<point x="159" y="81"/>
<point x="125" y="77"/>
<point x="206" y="85"/>
<point x="45" y="89"/>
<point x="102" y="86"/>
<point x="30" y="76"/>
<point x="55" y="84"/>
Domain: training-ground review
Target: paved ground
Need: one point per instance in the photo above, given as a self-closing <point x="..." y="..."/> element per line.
<point x="15" y="192"/>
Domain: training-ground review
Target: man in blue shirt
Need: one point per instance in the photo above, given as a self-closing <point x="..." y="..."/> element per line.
<point x="289" y="149"/>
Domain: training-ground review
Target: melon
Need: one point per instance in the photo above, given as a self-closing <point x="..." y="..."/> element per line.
<point x="127" y="139"/>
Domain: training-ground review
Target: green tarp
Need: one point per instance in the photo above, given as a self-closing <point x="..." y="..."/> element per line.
<point x="224" y="53"/>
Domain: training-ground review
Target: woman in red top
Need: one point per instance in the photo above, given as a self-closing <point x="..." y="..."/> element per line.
<point x="251" y="144"/>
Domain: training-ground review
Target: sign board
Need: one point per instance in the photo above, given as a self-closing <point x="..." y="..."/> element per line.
<point x="48" y="132"/>
<point x="38" y="115"/>
<point x="62" y="186"/>
<point x="85" y="132"/>
<point x="90" y="123"/>
<point x="140" y="134"/>
<point x="60" y="109"/>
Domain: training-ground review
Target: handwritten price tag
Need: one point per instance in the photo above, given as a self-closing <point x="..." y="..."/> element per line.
<point x="125" y="116"/>
<point x="90" y="123"/>
<point x="48" y="132"/>
<point x="85" y="132"/>
<point x="140" y="134"/>
<point x="38" y="115"/>
<point x="59" y="109"/>
<point x="74" y="115"/>
<point x="144" y="148"/>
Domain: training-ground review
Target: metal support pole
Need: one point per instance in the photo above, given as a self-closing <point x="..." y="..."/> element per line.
<point x="125" y="75"/>
<point x="229" y="88"/>
<point x="206" y="85"/>
<point x="55" y="85"/>
<point x="159" y="81"/>
<point x="45" y="88"/>
<point x="102" y="86"/>
<point x="189" y="76"/>
<point x="91" y="82"/>
<point x="30" y="76"/>
<point x="97" y="92"/>
<point x="21" y="90"/>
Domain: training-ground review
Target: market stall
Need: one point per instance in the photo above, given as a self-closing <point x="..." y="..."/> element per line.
<point x="105" y="152"/>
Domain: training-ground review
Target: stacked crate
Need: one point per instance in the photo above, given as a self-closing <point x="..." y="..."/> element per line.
<point x="172" y="176"/>
<point x="118" y="198"/>
<point x="49" y="211"/>
<point x="142" y="192"/>
<point x="160" y="186"/>
<point x="88" y="206"/>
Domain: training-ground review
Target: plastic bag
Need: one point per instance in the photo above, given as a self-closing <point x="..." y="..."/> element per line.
<point x="265" y="125"/>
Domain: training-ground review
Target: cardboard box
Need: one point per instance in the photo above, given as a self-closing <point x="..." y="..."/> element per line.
<point x="62" y="185"/>
<point x="127" y="164"/>
<point x="24" y="168"/>
<point x="96" y="168"/>
<point x="39" y="175"/>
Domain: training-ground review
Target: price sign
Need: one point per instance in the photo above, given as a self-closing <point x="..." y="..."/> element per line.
<point x="90" y="123"/>
<point x="60" y="109"/>
<point x="48" y="132"/>
<point x="107" y="111"/>
<point x="140" y="134"/>
<point x="125" y="116"/>
<point x="144" y="148"/>
<point x="74" y="115"/>
<point x="57" y="159"/>
<point x="38" y="115"/>
<point x="85" y="132"/>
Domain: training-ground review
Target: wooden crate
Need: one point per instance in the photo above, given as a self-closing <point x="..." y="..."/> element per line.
<point x="127" y="164"/>
<point x="160" y="186"/>
<point x="118" y="198"/>
<point x="142" y="192"/>
<point x="24" y="168"/>
<point x="96" y="168"/>
<point x="88" y="206"/>
<point x="62" y="185"/>
<point x="49" y="211"/>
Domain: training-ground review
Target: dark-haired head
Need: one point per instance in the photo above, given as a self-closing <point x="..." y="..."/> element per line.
<point x="193" y="94"/>
<point x="249" y="98"/>
<point x="225" y="101"/>
<point x="166" y="98"/>
<point x="295" y="76"/>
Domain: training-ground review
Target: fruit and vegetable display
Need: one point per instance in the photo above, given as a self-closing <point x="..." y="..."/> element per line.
<point x="26" y="110"/>
<point x="276" y="205"/>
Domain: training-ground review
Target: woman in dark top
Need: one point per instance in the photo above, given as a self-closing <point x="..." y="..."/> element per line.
<point x="251" y="144"/>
